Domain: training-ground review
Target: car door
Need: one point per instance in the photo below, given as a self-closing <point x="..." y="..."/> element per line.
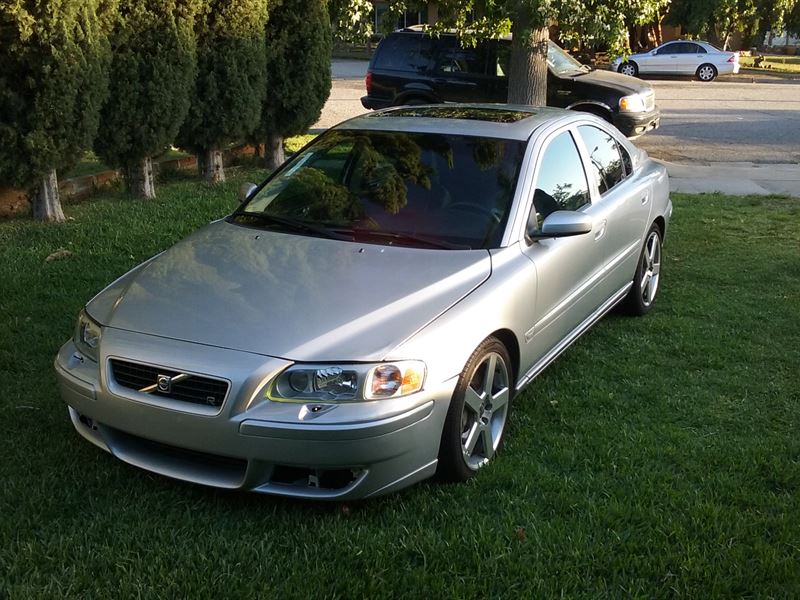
<point x="621" y="198"/>
<point x="694" y="57"/>
<point x="663" y="59"/>
<point x="569" y="269"/>
<point x="499" y="66"/>
<point x="460" y="74"/>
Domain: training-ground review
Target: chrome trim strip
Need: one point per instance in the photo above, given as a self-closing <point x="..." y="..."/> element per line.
<point x="574" y="335"/>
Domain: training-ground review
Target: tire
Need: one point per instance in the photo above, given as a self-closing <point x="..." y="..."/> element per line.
<point x="706" y="72"/>
<point x="476" y="420"/>
<point x="415" y="101"/>
<point x="642" y="295"/>
<point x="628" y="68"/>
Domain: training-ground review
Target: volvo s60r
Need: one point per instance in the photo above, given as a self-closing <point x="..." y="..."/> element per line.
<point x="367" y="315"/>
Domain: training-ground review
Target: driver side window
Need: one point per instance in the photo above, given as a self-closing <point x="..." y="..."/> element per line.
<point x="561" y="182"/>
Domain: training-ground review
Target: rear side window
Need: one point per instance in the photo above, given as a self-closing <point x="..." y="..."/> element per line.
<point x="605" y="157"/>
<point x="405" y="52"/>
<point x="463" y="61"/>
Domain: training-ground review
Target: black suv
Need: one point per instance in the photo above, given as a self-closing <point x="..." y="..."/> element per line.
<point x="412" y="67"/>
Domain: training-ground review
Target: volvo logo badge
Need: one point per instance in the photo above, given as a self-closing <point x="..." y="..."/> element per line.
<point x="164" y="383"/>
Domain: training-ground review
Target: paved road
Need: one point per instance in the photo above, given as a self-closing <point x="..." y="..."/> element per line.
<point x="742" y="119"/>
<point x="732" y="120"/>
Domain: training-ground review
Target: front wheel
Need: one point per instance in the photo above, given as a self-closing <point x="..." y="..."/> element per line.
<point x="706" y="73"/>
<point x="476" y="420"/>
<point x="642" y="295"/>
<point x="629" y="68"/>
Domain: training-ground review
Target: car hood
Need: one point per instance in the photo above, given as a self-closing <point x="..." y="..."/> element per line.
<point x="289" y="296"/>
<point x="624" y="84"/>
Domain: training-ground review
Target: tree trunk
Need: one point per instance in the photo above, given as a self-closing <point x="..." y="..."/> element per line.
<point x="273" y="152"/>
<point x="659" y="31"/>
<point x="140" y="179"/>
<point x="211" y="166"/>
<point x="46" y="204"/>
<point x="527" y="82"/>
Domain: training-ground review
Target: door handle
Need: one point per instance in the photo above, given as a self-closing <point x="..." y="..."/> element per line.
<point x="645" y="198"/>
<point x="601" y="230"/>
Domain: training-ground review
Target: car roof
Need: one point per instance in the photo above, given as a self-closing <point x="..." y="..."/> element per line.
<point x="505" y="121"/>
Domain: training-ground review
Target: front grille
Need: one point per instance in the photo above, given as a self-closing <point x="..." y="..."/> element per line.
<point x="186" y="387"/>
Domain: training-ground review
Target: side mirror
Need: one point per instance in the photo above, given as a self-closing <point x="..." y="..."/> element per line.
<point x="245" y="191"/>
<point x="561" y="223"/>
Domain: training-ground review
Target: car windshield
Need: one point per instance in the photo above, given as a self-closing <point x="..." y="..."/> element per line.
<point x="561" y="63"/>
<point x="426" y="190"/>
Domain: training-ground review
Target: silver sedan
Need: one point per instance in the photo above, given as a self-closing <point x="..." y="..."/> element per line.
<point x="365" y="318"/>
<point x="680" y="57"/>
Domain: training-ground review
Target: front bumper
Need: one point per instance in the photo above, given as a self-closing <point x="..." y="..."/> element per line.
<point x="343" y="451"/>
<point x="636" y="124"/>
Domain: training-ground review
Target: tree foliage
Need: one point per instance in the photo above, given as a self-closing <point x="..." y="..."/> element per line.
<point x="152" y="76"/>
<point x="231" y="69"/>
<point x="54" y="58"/>
<point x="351" y="20"/>
<point x="298" y="67"/>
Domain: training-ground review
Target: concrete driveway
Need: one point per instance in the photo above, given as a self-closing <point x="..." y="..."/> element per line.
<point x="735" y="135"/>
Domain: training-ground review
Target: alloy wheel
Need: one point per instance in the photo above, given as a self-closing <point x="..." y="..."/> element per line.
<point x="706" y="73"/>
<point x="651" y="268"/>
<point x="486" y="403"/>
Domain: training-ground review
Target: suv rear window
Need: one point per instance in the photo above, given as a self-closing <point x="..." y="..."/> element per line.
<point x="403" y="52"/>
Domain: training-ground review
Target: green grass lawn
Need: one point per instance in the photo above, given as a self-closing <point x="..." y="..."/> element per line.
<point x="658" y="457"/>
<point x="773" y="62"/>
<point x="90" y="164"/>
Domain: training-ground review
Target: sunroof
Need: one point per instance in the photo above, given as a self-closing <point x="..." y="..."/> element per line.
<point x="470" y="113"/>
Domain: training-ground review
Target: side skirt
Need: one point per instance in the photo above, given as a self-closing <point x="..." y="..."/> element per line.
<point x="556" y="351"/>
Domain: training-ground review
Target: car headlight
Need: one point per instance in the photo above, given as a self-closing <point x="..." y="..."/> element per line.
<point x="632" y="103"/>
<point x="348" y="382"/>
<point x="87" y="336"/>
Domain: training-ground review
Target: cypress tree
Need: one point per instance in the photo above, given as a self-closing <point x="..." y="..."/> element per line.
<point x="298" y="72"/>
<point x="53" y="79"/>
<point x="230" y="83"/>
<point x="151" y="79"/>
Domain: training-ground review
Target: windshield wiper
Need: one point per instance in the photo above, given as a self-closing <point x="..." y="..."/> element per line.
<point x="407" y="238"/>
<point x="248" y="218"/>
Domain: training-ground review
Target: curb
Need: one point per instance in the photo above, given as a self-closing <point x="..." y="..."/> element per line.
<point x="734" y="179"/>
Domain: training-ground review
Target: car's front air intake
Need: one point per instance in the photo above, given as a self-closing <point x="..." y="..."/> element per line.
<point x="169" y="383"/>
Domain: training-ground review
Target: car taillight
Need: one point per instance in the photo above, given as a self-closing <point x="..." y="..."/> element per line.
<point x="734" y="58"/>
<point x="368" y="82"/>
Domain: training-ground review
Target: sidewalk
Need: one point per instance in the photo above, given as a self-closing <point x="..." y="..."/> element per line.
<point x="734" y="178"/>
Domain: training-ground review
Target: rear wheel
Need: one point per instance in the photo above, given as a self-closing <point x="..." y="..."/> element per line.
<point x="476" y="420"/>
<point x="706" y="72"/>
<point x="642" y="295"/>
<point x="629" y="68"/>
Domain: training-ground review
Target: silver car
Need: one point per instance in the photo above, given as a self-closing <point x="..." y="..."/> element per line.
<point x="365" y="318"/>
<point x="680" y="57"/>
